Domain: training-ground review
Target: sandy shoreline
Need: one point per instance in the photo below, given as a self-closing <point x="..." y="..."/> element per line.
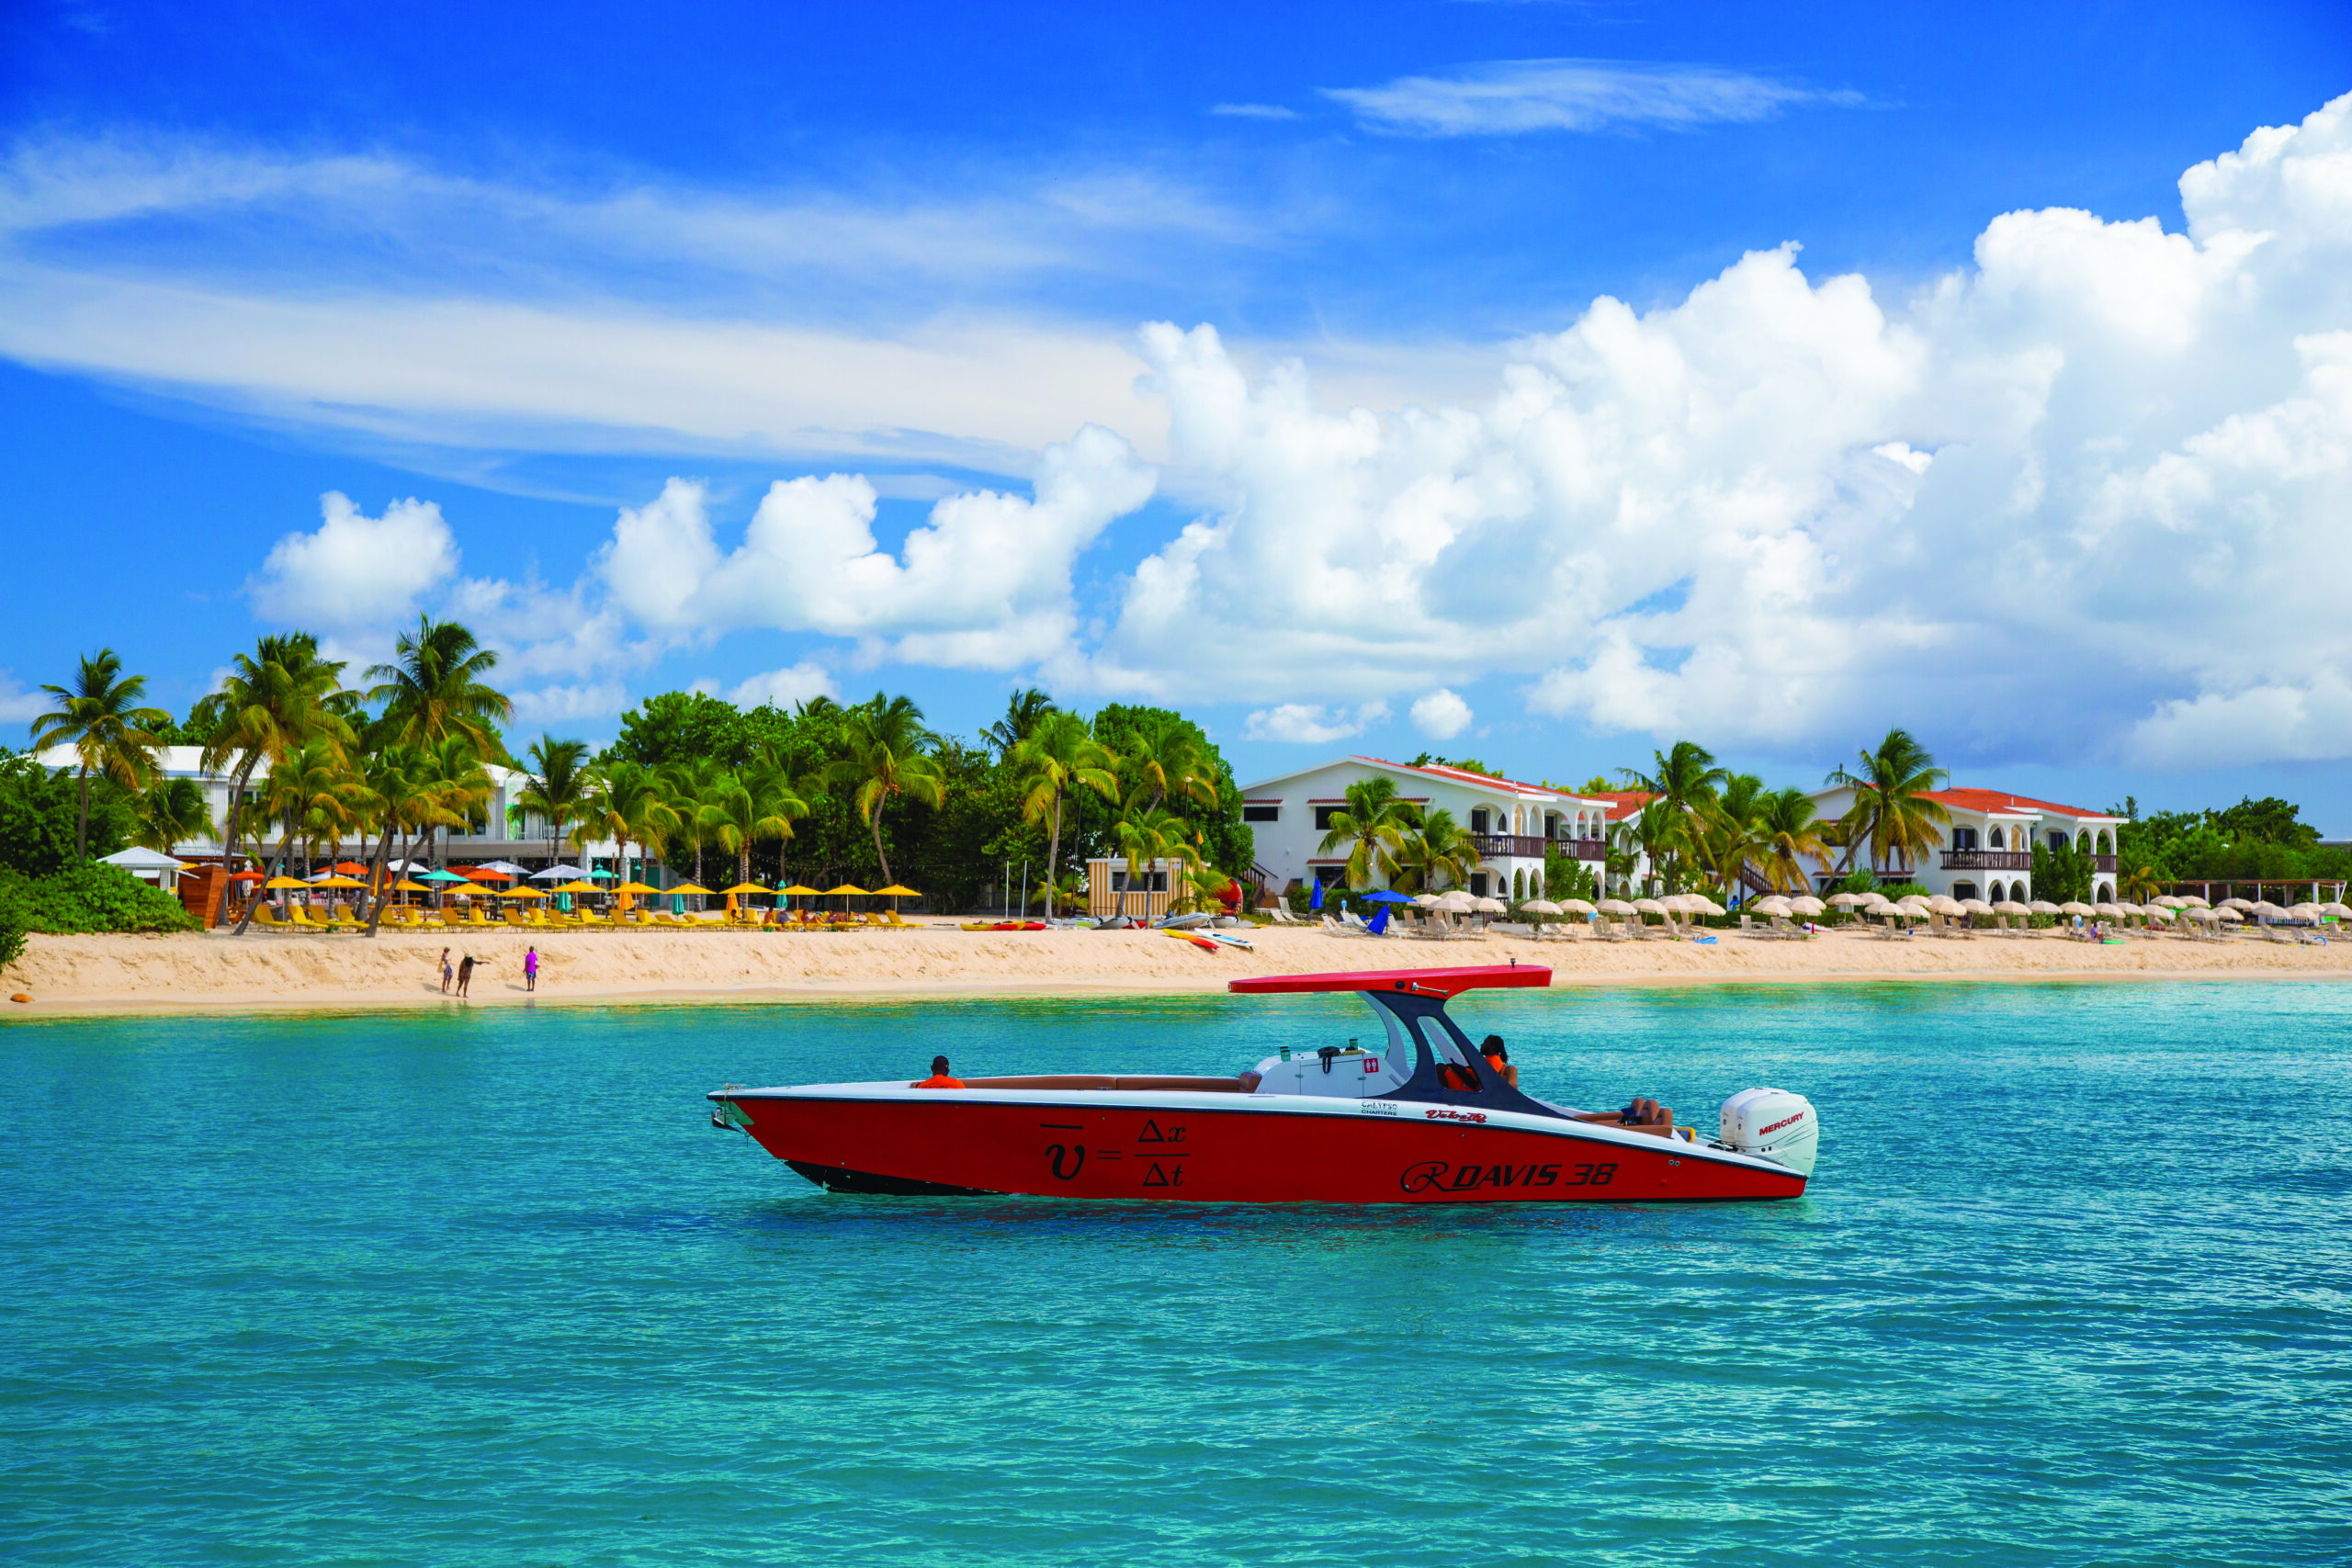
<point x="218" y="973"/>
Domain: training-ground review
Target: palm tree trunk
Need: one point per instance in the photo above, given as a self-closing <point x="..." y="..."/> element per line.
<point x="82" y="819"/>
<point x="277" y="870"/>
<point x="877" y="821"/>
<point x="376" y="869"/>
<point x="229" y="836"/>
<point x="1053" y="854"/>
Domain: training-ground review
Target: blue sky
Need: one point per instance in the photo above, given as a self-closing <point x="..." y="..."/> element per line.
<point x="529" y="269"/>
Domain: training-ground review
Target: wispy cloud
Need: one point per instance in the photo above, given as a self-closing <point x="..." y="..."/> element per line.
<point x="1514" y="97"/>
<point x="1253" y="111"/>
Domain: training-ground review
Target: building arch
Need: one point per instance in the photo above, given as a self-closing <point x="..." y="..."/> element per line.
<point x="1518" y="887"/>
<point x="1963" y="890"/>
<point x="1993" y="839"/>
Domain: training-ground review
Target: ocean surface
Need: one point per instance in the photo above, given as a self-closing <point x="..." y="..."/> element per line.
<point x="484" y="1285"/>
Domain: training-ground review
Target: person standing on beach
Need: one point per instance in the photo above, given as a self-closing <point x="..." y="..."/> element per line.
<point x="530" y="969"/>
<point x="446" y="972"/>
<point x="465" y="974"/>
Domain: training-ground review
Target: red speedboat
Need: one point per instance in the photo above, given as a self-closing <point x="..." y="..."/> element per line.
<point x="1424" y="1120"/>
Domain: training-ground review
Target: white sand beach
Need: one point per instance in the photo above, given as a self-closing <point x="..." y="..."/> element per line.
<point x="192" y="973"/>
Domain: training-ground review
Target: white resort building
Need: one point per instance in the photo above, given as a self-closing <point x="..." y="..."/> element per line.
<point x="1987" y="852"/>
<point x="1514" y="823"/>
<point x="492" y="835"/>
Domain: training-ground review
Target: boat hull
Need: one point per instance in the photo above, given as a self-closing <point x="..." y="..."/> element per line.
<point x="1232" y="1149"/>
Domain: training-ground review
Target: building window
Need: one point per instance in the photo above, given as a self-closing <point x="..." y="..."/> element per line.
<point x="1479" y="818"/>
<point x="2057" y="841"/>
<point x="1323" y="815"/>
<point x="1964" y="837"/>
<point x="1963" y="890"/>
<point x="1261" y="813"/>
<point x="1477" y="885"/>
<point x="1330" y="875"/>
<point x="1996" y="840"/>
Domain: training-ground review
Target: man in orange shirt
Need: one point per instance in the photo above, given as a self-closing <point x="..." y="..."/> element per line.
<point x="939" y="1078"/>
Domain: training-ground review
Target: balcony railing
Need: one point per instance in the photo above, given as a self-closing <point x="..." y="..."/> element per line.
<point x="1988" y="860"/>
<point x="1528" y="846"/>
<point x="2103" y="862"/>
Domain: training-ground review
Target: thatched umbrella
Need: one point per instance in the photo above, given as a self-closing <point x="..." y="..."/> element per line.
<point x="1805" y="904"/>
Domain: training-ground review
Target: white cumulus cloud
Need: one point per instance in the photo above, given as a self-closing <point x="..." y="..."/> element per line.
<point x="1312" y="724"/>
<point x="785" y="687"/>
<point x="1441" y="714"/>
<point x="356" y="571"/>
<point x="2085" y="498"/>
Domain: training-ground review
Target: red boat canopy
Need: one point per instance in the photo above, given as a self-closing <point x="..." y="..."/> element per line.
<point x="1422" y="982"/>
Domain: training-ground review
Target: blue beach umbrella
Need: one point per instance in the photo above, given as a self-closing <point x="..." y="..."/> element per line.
<point x="1387" y="896"/>
<point x="1315" y="899"/>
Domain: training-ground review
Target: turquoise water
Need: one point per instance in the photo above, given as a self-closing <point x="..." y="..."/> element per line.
<point x="485" y="1286"/>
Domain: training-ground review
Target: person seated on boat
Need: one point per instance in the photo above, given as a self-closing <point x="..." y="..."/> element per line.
<point x="1498" y="1056"/>
<point x="1643" y="1114"/>
<point x="939" y="1076"/>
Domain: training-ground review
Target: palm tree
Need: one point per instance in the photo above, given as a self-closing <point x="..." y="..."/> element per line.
<point x="1159" y="757"/>
<point x="172" y="811"/>
<point x="394" y="778"/>
<point x="1791" y="835"/>
<point x="100" y="716"/>
<point x="1439" y="851"/>
<point x="1059" y="755"/>
<point x="1374" y="822"/>
<point x="1148" y="833"/>
<point x="1734" y="832"/>
<point x="692" y="783"/>
<point x="1656" y="831"/>
<point x="1892" y="812"/>
<point x="2141" y="886"/>
<point x="1020" y="716"/>
<point x="271" y="701"/>
<point x="555" y="787"/>
<point x="433" y="689"/>
<point x="749" y="807"/>
<point x="1686" y="780"/>
<point x="887" y="756"/>
<point x="310" y="792"/>
<point x="628" y="806"/>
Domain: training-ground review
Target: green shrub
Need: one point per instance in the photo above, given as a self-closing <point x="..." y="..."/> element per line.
<point x="88" y="899"/>
<point x="12" y="942"/>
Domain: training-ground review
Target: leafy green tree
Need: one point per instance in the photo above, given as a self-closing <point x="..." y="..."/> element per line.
<point x="677" y="727"/>
<point x="37" y="814"/>
<point x="1892" y="812"/>
<point x="1372" y="827"/>
<point x="433" y="689"/>
<point x="1734" y="834"/>
<point x="1058" y="756"/>
<point x="2062" y="873"/>
<point x="1148" y="833"/>
<point x="2269" y="820"/>
<point x="101" y="716"/>
<point x="885" y="754"/>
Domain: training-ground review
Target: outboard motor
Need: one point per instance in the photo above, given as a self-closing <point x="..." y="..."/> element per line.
<point x="1774" y="1124"/>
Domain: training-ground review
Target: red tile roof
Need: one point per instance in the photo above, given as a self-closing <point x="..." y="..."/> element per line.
<point x="1462" y="776"/>
<point x="1622" y="803"/>
<point x="2000" y="801"/>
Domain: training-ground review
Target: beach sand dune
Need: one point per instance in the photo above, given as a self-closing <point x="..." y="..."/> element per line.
<point x="197" y="973"/>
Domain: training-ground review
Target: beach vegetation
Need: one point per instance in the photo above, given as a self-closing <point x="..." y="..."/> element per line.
<point x="1054" y="753"/>
<point x="87" y="898"/>
<point x="102" y="716"/>
<point x="1891" y="814"/>
<point x="1371" y="827"/>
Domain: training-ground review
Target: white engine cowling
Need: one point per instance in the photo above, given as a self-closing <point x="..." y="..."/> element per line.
<point x="1774" y="1124"/>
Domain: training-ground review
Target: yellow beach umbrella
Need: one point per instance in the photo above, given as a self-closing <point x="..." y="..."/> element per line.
<point x="405" y="885"/>
<point x="582" y="886"/>
<point x="799" y="890"/>
<point x="894" y="893"/>
<point x="338" y="882"/>
<point x="742" y="887"/>
<point x="521" y="893"/>
<point x="630" y="889"/>
<point x="845" y="887"/>
<point x="283" y="884"/>
<point x="685" y="887"/>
